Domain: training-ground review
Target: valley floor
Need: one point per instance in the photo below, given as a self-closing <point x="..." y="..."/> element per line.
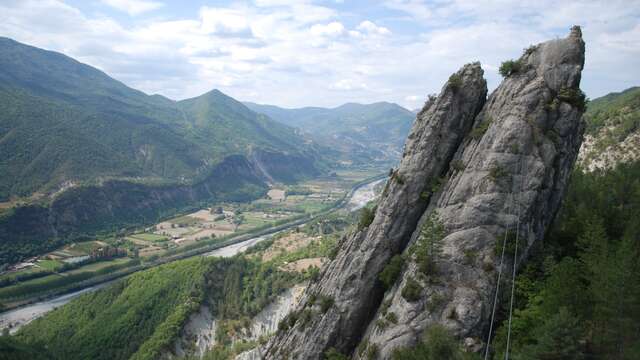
<point x="82" y="265"/>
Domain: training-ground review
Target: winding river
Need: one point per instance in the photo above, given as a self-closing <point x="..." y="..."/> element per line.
<point x="14" y="319"/>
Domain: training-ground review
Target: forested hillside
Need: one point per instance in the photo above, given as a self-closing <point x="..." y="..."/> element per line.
<point x="360" y="132"/>
<point x="613" y="130"/>
<point x="141" y="316"/>
<point x="579" y="296"/>
<point x="63" y="123"/>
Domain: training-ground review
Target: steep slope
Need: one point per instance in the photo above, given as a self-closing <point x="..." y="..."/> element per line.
<point x="511" y="169"/>
<point x="351" y="279"/>
<point x="613" y="130"/>
<point x="141" y="316"/>
<point x="361" y="132"/>
<point x="63" y="121"/>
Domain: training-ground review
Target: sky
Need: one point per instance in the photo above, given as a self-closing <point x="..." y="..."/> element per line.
<point x="322" y="52"/>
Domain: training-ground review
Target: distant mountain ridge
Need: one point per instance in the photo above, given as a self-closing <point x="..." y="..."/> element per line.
<point x="361" y="132"/>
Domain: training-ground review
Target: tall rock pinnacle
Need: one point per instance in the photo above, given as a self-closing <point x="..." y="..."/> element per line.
<point x="476" y="169"/>
<point x="351" y="279"/>
<point x="516" y="172"/>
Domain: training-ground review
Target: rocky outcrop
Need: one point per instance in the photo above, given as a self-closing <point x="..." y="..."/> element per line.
<point x="511" y="169"/>
<point x="351" y="279"/>
<point x="515" y="173"/>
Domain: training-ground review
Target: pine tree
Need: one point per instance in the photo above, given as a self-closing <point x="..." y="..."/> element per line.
<point x="429" y="246"/>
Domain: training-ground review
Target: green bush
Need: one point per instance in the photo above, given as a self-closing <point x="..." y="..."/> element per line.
<point x="412" y="290"/>
<point x="437" y="344"/>
<point x="305" y="317"/>
<point x="392" y="317"/>
<point x="366" y="217"/>
<point x="326" y="302"/>
<point x="575" y="97"/>
<point x="455" y="82"/>
<point x="435" y="301"/>
<point x="510" y="67"/>
<point x="391" y="271"/>
<point x="428" y="248"/>
<point x="381" y="324"/>
<point x="477" y="132"/>
<point x="470" y="256"/>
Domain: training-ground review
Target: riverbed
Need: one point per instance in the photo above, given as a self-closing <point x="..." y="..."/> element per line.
<point x="16" y="318"/>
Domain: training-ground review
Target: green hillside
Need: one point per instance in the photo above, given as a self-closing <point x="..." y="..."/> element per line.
<point x="365" y="132"/>
<point x="116" y="157"/>
<point x="63" y="121"/>
<point x="140" y="316"/>
<point x="621" y="108"/>
<point x="613" y="130"/>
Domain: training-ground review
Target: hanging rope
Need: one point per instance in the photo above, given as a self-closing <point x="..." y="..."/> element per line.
<point x="495" y="298"/>
<point x="515" y="261"/>
<point x="504" y="245"/>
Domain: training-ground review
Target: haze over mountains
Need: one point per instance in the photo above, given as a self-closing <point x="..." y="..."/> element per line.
<point x="365" y="132"/>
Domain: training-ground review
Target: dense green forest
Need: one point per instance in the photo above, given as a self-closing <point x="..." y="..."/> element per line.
<point x="578" y="297"/>
<point x="142" y="315"/>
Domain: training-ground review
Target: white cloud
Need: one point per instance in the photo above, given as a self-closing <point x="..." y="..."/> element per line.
<point x="224" y="21"/>
<point x="133" y="7"/>
<point x="371" y="28"/>
<point x="331" y="29"/>
<point x="297" y="53"/>
<point x="348" y="85"/>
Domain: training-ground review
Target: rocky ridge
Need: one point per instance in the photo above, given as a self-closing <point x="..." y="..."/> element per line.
<point x="516" y="172"/>
<point x="474" y="168"/>
<point x="350" y="280"/>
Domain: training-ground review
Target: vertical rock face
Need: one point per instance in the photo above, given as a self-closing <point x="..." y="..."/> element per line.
<point x="351" y="279"/>
<point x="514" y="172"/>
<point x="511" y="169"/>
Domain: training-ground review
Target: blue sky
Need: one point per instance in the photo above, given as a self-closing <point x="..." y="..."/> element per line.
<point x="324" y="52"/>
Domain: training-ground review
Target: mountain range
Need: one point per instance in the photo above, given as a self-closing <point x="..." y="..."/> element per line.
<point x="64" y="122"/>
<point x="360" y="132"/>
<point x="81" y="152"/>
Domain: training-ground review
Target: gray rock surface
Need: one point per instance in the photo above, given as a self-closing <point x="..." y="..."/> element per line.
<point x="351" y="278"/>
<point x="517" y="169"/>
